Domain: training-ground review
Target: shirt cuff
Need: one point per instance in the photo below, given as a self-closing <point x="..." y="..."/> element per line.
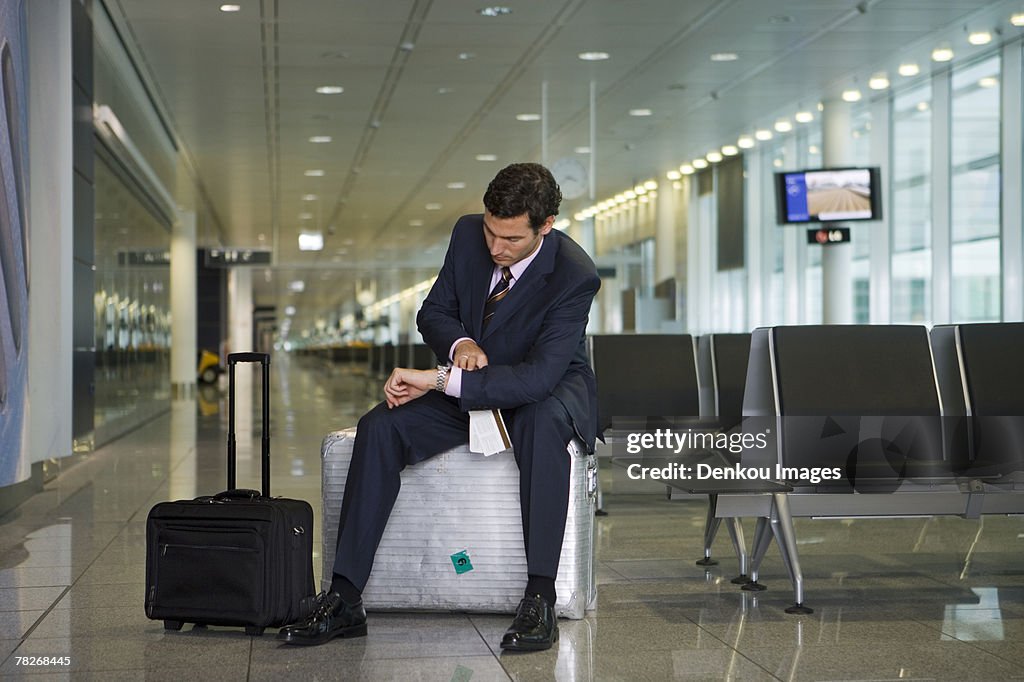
<point x="454" y="387"/>
<point x="451" y="351"/>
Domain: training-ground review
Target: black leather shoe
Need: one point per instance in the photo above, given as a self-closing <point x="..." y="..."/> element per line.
<point x="534" y="627"/>
<point x="332" y="617"/>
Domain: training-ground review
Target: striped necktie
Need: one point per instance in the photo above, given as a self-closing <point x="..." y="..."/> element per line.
<point x="497" y="293"/>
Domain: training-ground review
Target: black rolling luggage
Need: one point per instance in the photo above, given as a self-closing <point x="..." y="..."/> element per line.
<point x="236" y="558"/>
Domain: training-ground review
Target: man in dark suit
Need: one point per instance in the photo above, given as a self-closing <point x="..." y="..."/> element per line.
<point x="509" y="310"/>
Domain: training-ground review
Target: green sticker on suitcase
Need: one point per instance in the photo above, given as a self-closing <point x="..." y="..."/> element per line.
<point x="461" y="562"/>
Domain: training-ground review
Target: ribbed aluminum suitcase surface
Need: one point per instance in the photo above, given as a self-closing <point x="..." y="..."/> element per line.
<point x="455" y="537"/>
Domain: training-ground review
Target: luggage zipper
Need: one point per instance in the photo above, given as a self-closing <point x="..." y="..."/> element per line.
<point x="165" y="547"/>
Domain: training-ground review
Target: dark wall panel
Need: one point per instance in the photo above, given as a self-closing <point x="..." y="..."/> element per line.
<point x="730" y="213"/>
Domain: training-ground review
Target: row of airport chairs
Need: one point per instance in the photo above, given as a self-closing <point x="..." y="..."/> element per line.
<point x="918" y="422"/>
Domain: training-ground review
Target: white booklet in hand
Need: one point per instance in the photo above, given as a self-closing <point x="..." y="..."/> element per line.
<point x="487" y="432"/>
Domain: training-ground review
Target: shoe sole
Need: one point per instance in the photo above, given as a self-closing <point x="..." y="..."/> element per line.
<point x="524" y="646"/>
<point x="349" y="632"/>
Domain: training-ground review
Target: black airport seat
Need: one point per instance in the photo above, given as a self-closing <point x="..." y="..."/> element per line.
<point x="722" y="375"/>
<point x="643" y="376"/>
<point x="860" y="400"/>
<point x="981" y="377"/>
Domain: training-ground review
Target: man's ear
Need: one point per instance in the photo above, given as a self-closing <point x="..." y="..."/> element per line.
<point x="549" y="222"/>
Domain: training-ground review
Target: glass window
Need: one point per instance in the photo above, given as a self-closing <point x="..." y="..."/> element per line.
<point x="911" y="210"/>
<point x="775" y="159"/>
<point x="974" y="192"/>
<point x="860" y="233"/>
<point x="809" y="143"/>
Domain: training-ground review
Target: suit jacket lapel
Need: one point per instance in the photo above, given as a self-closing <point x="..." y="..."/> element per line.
<point x="533" y="279"/>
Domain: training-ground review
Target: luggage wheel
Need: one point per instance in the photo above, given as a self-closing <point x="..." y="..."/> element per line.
<point x="253" y="631"/>
<point x="173" y="625"/>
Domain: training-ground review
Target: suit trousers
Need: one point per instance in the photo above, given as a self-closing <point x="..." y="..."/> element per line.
<point x="388" y="440"/>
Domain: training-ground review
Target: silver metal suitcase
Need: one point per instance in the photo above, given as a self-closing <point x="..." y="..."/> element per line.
<point x="455" y="540"/>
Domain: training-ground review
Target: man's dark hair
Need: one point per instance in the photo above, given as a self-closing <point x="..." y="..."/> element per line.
<point x="523" y="188"/>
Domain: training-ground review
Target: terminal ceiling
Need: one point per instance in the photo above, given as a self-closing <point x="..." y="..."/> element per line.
<point x="431" y="84"/>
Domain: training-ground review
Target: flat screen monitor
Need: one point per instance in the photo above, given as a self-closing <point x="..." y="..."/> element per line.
<point x="828" y="195"/>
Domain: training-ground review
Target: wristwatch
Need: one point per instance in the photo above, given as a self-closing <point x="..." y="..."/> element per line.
<point x="442" y="378"/>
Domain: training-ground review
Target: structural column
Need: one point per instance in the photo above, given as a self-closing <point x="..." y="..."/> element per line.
<point x="837" y="259"/>
<point x="183" y="305"/>
<point x="52" y="210"/>
<point x="240" y="310"/>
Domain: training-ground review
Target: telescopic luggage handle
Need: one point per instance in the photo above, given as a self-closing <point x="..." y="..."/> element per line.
<point x="264" y="360"/>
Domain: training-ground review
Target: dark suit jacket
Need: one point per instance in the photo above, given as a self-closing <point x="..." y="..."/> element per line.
<point x="535" y="342"/>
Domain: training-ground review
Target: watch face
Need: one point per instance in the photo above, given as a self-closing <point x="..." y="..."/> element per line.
<point x="571" y="177"/>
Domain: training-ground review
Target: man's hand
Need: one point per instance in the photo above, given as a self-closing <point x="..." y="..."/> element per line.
<point x="405" y="385"/>
<point x="469" y="356"/>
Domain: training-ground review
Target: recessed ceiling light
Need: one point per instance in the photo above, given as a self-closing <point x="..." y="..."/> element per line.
<point x="262" y="237"/>
<point x="309" y="197"/>
<point x="415" y="222"/>
<point x="314" y="173"/>
<point x="724" y="57"/>
<point x="908" y="69"/>
<point x="745" y="142"/>
<point x="320" y="139"/>
<point x="330" y="90"/>
<point x="651" y="185"/>
<point x="686" y="169"/>
<point x="495" y="11"/>
<point x="783" y="125"/>
<point x="445" y="91"/>
<point x="486" y="157"/>
<point x="813" y="149"/>
<point x="713" y="156"/>
<point x="673" y="175"/>
<point x="311" y="241"/>
<point x="878" y="82"/>
<point x="289" y="310"/>
<point x="851" y="95"/>
<point x="230" y="8"/>
<point x="640" y="112"/>
<point x="1017" y="19"/>
<point x="582" y="150"/>
<point x="635" y="192"/>
<point x="763" y="134"/>
<point x="466" y="56"/>
<point x="305" y="216"/>
<point x="988" y="82"/>
<point x="730" y="150"/>
<point x="297" y="286"/>
<point x="942" y="54"/>
<point x="699" y="164"/>
<point x="433" y="207"/>
<point x="456" y="185"/>
<point x="593" y="56"/>
<point x="527" y="117"/>
<point x="777" y="163"/>
<point x="922" y="106"/>
<point x="804" y="117"/>
<point x="979" y="38"/>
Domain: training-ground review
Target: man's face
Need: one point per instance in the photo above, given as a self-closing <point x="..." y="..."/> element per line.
<point x="510" y="240"/>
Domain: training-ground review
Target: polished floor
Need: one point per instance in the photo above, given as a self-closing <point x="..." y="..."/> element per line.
<point x="917" y="599"/>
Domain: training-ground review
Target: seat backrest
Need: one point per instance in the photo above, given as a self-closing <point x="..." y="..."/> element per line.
<point x="644" y="375"/>
<point x="981" y="372"/>
<point x="858" y="398"/>
<point x="423" y="357"/>
<point x="722" y="374"/>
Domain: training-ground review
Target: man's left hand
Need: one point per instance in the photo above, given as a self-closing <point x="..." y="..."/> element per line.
<point x="405" y="385"/>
